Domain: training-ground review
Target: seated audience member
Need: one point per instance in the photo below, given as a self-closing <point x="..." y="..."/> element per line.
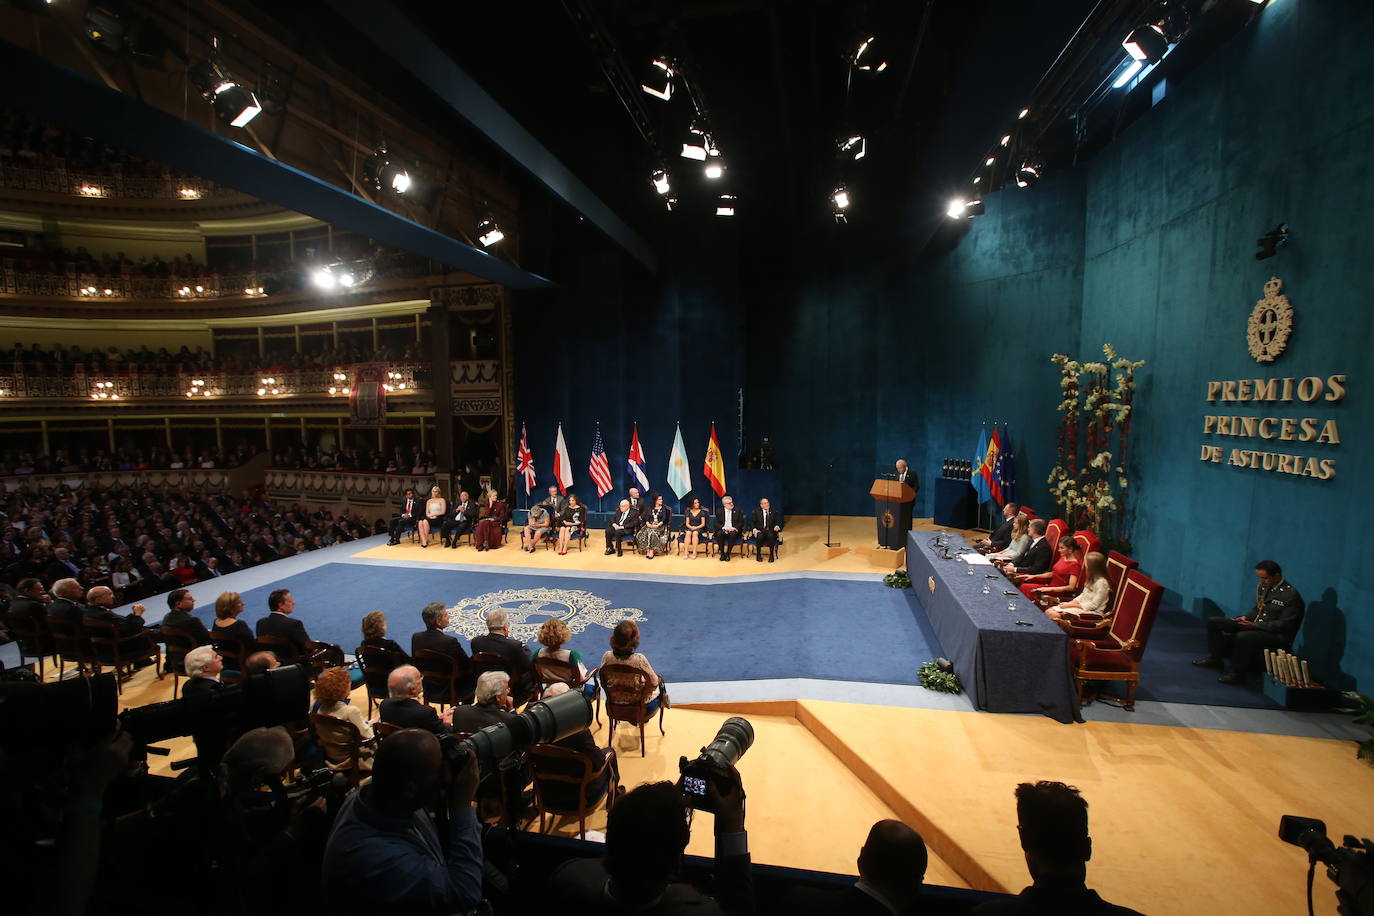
<point x="1063" y="579"/>
<point x="1037" y="558"/>
<point x="561" y="794"/>
<point x="405" y="517"/>
<point x="31" y="602"/>
<point x="374" y="637"/>
<point x="491" y="704"/>
<point x="637" y="504"/>
<point x="460" y="520"/>
<point x="259" y="662"/>
<point x="228" y="607"/>
<point x="1052" y="819"/>
<point x="99" y="606"/>
<point x="515" y="653"/>
<point x="624" y="643"/>
<point x="179" y="616"/>
<point x="203" y="667"/>
<point x="766" y="523"/>
<point x="554" y="502"/>
<point x="1001" y="538"/>
<point x="1093" y="602"/>
<point x="403" y="708"/>
<point x="1273" y="624"/>
<point x="572" y="518"/>
<point x="332" y="688"/>
<point x="537" y="528"/>
<point x="280" y="623"/>
<point x="892" y="869"/>
<point x="694" y="528"/>
<point x="436" y="507"/>
<point x="624" y="521"/>
<point x="434" y="639"/>
<point x="729" y="527"/>
<point x="646" y="834"/>
<point x="66" y="601"/>
<point x="385" y="854"/>
<point x="552" y="636"/>
<point x="491" y="523"/>
<point x="1016" y="547"/>
<point x="656" y="525"/>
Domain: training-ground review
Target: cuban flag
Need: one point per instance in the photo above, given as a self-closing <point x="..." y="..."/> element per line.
<point x="635" y="465"/>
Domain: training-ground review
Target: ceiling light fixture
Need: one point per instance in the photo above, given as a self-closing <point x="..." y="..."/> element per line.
<point x="715" y="163"/>
<point x="865" y="61"/>
<point x="853" y="147"/>
<point x="488" y="232"/>
<point x="661" y="75"/>
<point x="1027" y="175"/>
<point x="659" y="178"/>
<point x="235" y="104"/>
<point x="696" y="144"/>
<point x="725" y="205"/>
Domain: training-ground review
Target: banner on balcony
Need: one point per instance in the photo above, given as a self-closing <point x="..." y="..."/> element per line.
<point x="367" y="400"/>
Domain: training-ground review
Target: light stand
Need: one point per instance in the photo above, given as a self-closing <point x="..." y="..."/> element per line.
<point x="829" y="478"/>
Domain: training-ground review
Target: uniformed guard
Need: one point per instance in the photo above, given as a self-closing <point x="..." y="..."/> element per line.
<point x="1272" y="624"/>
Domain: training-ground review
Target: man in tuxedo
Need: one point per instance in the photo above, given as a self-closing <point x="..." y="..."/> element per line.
<point x="403" y="709"/>
<point x="463" y="516"/>
<point x="405" y="516"/>
<point x="31" y="602"/>
<point x="622" y="523"/>
<point x="907" y="476"/>
<point x="280" y="623"/>
<point x="555" y="502"/>
<point x="1038" y="557"/>
<point x="491" y="704"/>
<point x="434" y="639"/>
<point x="766" y="523"/>
<point x="729" y="527"/>
<point x="637" y="503"/>
<point x="99" y="606"/>
<point x="515" y="653"/>
<point x="1001" y="538"/>
<point x="66" y="603"/>
<point x="179" y="616"/>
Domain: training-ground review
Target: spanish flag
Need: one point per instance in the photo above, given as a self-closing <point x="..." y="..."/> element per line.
<point x="714" y="469"/>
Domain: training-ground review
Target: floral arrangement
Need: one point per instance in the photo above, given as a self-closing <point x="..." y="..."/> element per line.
<point x="898" y="579"/>
<point x="1090" y="481"/>
<point x="938" y="675"/>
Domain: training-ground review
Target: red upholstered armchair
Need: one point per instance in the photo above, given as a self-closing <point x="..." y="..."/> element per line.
<point x="1117" y="656"/>
<point x="1088" y="541"/>
<point x="1088" y="625"/>
<point x="1055" y="530"/>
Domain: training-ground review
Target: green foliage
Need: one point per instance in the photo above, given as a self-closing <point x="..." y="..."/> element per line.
<point x="1365" y="749"/>
<point x="899" y="579"/>
<point x="933" y="677"/>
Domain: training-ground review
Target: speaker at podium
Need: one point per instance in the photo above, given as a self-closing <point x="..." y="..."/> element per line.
<point x="892" y="510"/>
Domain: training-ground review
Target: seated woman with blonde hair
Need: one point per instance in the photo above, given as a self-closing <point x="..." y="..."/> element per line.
<point x="1020" y="540"/>
<point x="1092" y="603"/>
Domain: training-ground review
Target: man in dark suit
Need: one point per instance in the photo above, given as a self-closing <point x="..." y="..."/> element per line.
<point x="561" y="794"/>
<point x="460" y="520"/>
<point x="491" y="704"/>
<point x="892" y="869"/>
<point x="729" y="527"/>
<point x="203" y="667"/>
<point x="909" y="477"/>
<point x="515" y="653"/>
<point x="66" y="603"/>
<point x="434" y="639"/>
<point x="766" y="523"/>
<point x="1001" y="538"/>
<point x="623" y="522"/>
<point x="31" y="604"/>
<point x="99" y="606"/>
<point x="1038" y="557"/>
<point x="279" y="621"/>
<point x="61" y="565"/>
<point x="637" y="504"/>
<point x="403" y="709"/>
<point x="179" y="616"/>
<point x="405" y="517"/>
<point x="555" y="502"/>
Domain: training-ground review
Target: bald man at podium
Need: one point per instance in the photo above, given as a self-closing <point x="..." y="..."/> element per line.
<point x="907" y="476"/>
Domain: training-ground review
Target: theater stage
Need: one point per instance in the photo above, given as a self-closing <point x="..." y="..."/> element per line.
<point x="846" y="737"/>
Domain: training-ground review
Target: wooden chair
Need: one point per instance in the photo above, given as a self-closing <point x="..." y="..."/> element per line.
<point x="69" y="645"/>
<point x="385" y="730"/>
<point x="284" y="649"/>
<point x="1117" y="657"/>
<point x="322" y="655"/>
<point x="121" y="652"/>
<point x="33" y="641"/>
<point x="234" y="652"/>
<point x="377" y="665"/>
<point x="443" y="675"/>
<point x="178" y="643"/>
<point x="625" y="687"/>
<point x="752" y="541"/>
<point x="342" y="744"/>
<point x="560" y="774"/>
<point x="553" y="671"/>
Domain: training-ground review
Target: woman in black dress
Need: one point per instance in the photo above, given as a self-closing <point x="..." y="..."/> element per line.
<point x="653" y="536"/>
<point x="694" y="527"/>
<point x="572" y="518"/>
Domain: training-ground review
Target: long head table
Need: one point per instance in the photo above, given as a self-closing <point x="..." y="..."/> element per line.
<point x="1004" y="666"/>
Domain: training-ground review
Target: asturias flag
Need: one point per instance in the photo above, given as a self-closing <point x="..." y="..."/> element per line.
<point x="714" y="469"/>
<point x="562" y="466"/>
<point x="679" y="477"/>
<point x="525" y="467"/>
<point x="635" y="463"/>
<point x="979" y="481"/>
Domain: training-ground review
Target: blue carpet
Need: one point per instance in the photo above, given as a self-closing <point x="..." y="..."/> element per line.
<point x="1168" y="675"/>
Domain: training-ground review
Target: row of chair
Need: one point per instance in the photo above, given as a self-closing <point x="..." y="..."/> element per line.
<point x="90" y="646"/>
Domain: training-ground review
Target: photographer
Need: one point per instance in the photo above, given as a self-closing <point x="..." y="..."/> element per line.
<point x="646" y="835"/>
<point x="386" y="852"/>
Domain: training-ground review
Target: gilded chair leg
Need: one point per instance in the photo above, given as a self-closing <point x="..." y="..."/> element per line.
<point x="1130" y="696"/>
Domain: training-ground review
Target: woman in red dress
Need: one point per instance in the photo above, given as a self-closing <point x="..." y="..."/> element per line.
<point x="1064" y="578"/>
<point x="491" y="523"/>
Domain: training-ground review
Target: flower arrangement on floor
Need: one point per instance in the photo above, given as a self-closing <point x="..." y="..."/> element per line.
<point x="1365" y="716"/>
<point x="1090" y="481"/>
<point x="938" y="675"/>
<point x="898" y="579"/>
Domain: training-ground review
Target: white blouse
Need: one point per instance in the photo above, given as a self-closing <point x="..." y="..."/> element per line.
<point x="1095" y="596"/>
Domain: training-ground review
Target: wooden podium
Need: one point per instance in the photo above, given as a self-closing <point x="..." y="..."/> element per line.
<point x="891" y="500"/>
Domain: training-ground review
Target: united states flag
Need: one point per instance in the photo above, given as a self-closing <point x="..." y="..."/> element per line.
<point x="525" y="468"/>
<point x="600" y="468"/>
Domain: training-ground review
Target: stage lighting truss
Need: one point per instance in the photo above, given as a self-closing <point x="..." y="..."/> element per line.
<point x="725" y="205"/>
<point x="380" y="172"/>
<point x="865" y="59"/>
<point x="1168" y="22"/>
<point x="659" y="179"/>
<point x="853" y="146"/>
<point x="960" y="208"/>
<point x="696" y="144"/>
<point x="235" y="104"/>
<point x="488" y="232"/>
<point x="662" y="75"/>
<point x="715" y="163"/>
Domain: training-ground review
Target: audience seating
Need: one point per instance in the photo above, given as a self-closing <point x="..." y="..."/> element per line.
<point x="70" y="645"/>
<point x="233" y="651"/>
<point x="120" y="652"/>
<point x="752" y="541"/>
<point x="561" y="772"/>
<point x="377" y="665"/>
<point x="342" y="744"/>
<point x="625" y="700"/>
<point x="284" y="649"/>
<point x="441" y="675"/>
<point x="385" y="730"/>
<point x="33" y="642"/>
<point x="178" y="643"/>
<point x="549" y="671"/>
<point x="1116" y="656"/>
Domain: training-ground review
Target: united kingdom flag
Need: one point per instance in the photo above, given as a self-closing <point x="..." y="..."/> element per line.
<point x="525" y="467"/>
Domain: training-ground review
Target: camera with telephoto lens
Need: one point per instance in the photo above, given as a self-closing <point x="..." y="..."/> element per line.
<point x="712" y="766"/>
<point x="541" y="723"/>
<point x="1350" y="866"/>
<point x="331" y="785"/>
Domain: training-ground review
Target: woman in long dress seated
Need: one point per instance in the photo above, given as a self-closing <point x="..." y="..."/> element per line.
<point x="491" y="522"/>
<point x="652" y="537"/>
<point x="1063" y="579"/>
<point x="435" y="507"/>
<point x="1092" y="604"/>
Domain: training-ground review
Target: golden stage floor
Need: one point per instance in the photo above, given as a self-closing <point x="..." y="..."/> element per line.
<point x="803" y="549"/>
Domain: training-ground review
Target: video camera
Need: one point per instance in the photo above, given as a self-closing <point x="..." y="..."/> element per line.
<point x="1350" y="866"/>
<point x="541" y="723"/>
<point x="712" y="766"/>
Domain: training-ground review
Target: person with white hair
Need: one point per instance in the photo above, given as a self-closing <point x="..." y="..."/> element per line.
<point x="203" y="667"/>
<point x="513" y="652"/>
<point x="403" y="709"/>
<point x="563" y="795"/>
<point x="66" y="604"/>
<point x="491" y="704"/>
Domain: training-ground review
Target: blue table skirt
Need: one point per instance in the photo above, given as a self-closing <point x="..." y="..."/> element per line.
<point x="956" y="503"/>
<point x="1005" y="667"/>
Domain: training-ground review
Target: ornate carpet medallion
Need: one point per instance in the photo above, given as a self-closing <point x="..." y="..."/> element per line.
<point x="530" y="607"/>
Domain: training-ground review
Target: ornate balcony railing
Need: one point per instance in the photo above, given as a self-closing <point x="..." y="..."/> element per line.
<point x="346" y="487"/>
<point x="56" y="177"/>
<point x="211" y="480"/>
<point x="78" y="281"/>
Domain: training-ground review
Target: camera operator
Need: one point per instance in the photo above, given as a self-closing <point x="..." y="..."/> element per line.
<point x="385" y="852"/>
<point x="646" y="834"/>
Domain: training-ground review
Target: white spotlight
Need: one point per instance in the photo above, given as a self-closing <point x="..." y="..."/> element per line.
<point x="863" y="60"/>
<point x="1128" y="74"/>
<point x="956" y="208"/>
<point x="400" y="182"/>
<point x="488" y="233"/>
<point x="660" y="181"/>
<point x="840" y="197"/>
<point x="694" y="147"/>
<point x="852" y="147"/>
<point x="725" y="205"/>
<point x="715" y="163"/>
<point x="662" y="87"/>
<point x="1024" y="112"/>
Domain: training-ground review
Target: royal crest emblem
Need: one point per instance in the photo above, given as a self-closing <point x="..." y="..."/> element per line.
<point x="527" y="608"/>
<point x="1271" y="323"/>
<point x="889" y="520"/>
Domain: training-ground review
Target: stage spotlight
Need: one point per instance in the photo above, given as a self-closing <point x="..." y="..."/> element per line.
<point x="715" y="163"/>
<point x="670" y="203"/>
<point x="696" y="144"/>
<point x="488" y="232"/>
<point x="1132" y="68"/>
<point x="964" y="209"/>
<point x="1271" y="242"/>
<point x="1022" y="115"/>
<point x="1006" y="139"/>
<point x="660" y="82"/>
<point x="1146" y="43"/>
<point x="33" y="6"/>
<point x="235" y="104"/>
<point x="851" y="147"/>
<point x="840" y="197"/>
<point x="659" y="178"/>
<point x="865" y="58"/>
<point x="324" y="278"/>
<point x="725" y="205"/>
<point x="989" y="161"/>
<point x="1027" y="175"/>
<point x="380" y="172"/>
